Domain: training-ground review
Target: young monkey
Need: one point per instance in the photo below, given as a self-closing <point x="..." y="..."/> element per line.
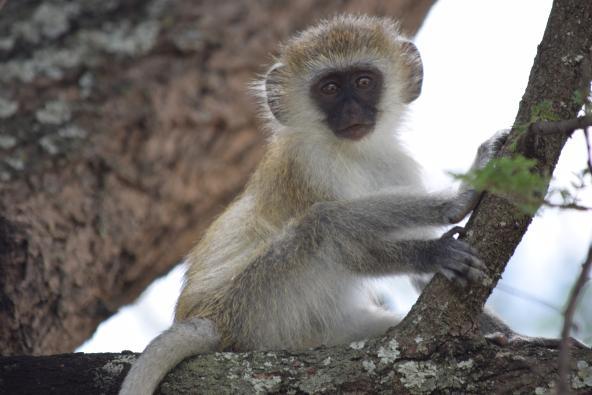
<point x="335" y="203"/>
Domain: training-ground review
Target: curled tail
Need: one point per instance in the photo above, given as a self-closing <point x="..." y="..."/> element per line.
<point x="182" y="340"/>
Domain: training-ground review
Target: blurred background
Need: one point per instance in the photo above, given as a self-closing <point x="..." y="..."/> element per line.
<point x="476" y="69"/>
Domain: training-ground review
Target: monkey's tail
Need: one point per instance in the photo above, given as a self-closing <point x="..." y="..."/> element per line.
<point x="182" y="340"/>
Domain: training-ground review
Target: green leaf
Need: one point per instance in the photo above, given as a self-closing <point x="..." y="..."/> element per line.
<point x="579" y="98"/>
<point x="543" y="111"/>
<point x="514" y="178"/>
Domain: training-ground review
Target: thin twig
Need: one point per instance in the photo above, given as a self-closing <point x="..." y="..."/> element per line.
<point x="566" y="126"/>
<point x="586" y="135"/>
<point x="563" y="385"/>
<point x="569" y="206"/>
<point x="510" y="290"/>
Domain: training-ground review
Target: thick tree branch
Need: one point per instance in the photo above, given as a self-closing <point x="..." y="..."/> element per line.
<point x="390" y="365"/>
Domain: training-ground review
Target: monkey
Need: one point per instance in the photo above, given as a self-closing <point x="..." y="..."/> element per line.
<point x="335" y="203"/>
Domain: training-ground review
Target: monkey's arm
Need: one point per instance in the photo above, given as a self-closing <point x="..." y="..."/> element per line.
<point x="300" y="273"/>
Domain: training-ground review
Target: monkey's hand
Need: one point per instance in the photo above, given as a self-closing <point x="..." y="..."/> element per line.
<point x="458" y="261"/>
<point x="468" y="197"/>
<point x="489" y="148"/>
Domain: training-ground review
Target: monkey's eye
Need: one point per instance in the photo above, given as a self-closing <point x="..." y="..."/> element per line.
<point x="330" y="88"/>
<point x="364" y="82"/>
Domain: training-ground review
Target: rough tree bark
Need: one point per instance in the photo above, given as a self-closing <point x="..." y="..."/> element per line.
<point x="436" y="349"/>
<point x="125" y="126"/>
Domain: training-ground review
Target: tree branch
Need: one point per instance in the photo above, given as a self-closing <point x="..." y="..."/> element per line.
<point x="588" y="151"/>
<point x="563" y="385"/>
<point x="388" y="365"/>
<point x="567" y="126"/>
<point x="566" y="206"/>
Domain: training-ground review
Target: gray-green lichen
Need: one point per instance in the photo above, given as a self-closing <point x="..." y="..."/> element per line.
<point x="549" y="389"/>
<point x="7" y="43"/>
<point x="123" y="38"/>
<point x="15" y="163"/>
<point x="78" y="49"/>
<point x="108" y="373"/>
<point x="264" y="384"/>
<point x="189" y="40"/>
<point x="468" y="364"/>
<point x="47" y="62"/>
<point x="421" y="345"/>
<point x="49" y="144"/>
<point x="54" y="112"/>
<point x="227" y="355"/>
<point x="316" y="383"/>
<point x="126" y="358"/>
<point x="7" y="142"/>
<point x="86" y="84"/>
<point x="390" y="353"/>
<point x="72" y="132"/>
<point x="7" y="108"/>
<point x="369" y="366"/>
<point x="357" y="345"/>
<point x="5" y="176"/>
<point x="583" y="376"/>
<point x="420" y="376"/>
<point x="47" y="21"/>
<point x="113" y="368"/>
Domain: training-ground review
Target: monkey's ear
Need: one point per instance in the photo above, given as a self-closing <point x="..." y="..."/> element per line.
<point x="274" y="91"/>
<point x="415" y="71"/>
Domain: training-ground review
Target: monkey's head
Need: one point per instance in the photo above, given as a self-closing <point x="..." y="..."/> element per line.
<point x="350" y="76"/>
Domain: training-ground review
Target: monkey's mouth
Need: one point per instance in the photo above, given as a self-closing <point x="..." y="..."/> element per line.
<point x="355" y="132"/>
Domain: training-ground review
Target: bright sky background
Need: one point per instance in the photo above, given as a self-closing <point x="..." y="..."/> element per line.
<point x="477" y="57"/>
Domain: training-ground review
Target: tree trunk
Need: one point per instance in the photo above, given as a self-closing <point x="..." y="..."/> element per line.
<point x="125" y="126"/>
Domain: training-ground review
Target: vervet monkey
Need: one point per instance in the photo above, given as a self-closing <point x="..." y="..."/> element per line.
<point x="335" y="203"/>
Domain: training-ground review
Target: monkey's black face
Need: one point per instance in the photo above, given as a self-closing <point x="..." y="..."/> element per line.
<point x="349" y="100"/>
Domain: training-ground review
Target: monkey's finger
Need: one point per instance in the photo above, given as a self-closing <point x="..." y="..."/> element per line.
<point x="456" y="230"/>
<point x="453" y="276"/>
<point x="466" y="267"/>
<point x="466" y="250"/>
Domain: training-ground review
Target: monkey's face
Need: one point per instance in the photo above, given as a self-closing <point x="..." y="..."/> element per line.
<point x="345" y="80"/>
<point x="349" y="99"/>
